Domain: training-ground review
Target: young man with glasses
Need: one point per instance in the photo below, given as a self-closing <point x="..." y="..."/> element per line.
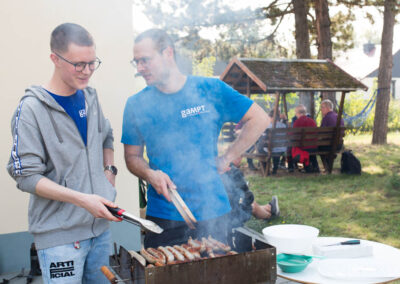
<point x="179" y="118"/>
<point x="63" y="155"/>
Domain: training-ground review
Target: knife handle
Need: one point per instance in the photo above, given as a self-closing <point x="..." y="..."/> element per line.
<point x="117" y="212"/>
<point x="351" y="242"/>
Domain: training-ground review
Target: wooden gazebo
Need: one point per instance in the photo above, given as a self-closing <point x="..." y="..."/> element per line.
<point x="282" y="76"/>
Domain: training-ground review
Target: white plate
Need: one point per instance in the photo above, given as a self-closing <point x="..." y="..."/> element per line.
<point x="358" y="269"/>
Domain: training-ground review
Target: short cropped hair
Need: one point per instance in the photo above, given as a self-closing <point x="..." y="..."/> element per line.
<point x="301" y="109"/>
<point x="67" y="33"/>
<point x="328" y="104"/>
<point x="160" y="38"/>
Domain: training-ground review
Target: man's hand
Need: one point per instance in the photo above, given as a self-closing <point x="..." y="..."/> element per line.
<point x="161" y="182"/>
<point x="95" y="205"/>
<point x="222" y="164"/>
<point x="111" y="177"/>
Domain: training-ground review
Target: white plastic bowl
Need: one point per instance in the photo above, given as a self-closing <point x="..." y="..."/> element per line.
<point x="291" y="238"/>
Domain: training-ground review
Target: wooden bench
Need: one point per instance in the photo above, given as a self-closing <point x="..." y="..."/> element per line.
<point x="300" y="137"/>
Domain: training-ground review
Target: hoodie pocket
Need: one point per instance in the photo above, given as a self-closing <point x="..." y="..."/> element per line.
<point x="70" y="215"/>
<point x="104" y="188"/>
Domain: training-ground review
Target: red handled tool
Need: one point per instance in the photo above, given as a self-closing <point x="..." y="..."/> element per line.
<point x="143" y="223"/>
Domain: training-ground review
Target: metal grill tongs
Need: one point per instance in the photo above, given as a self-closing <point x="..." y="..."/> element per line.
<point x="182" y="208"/>
<point x="143" y="223"/>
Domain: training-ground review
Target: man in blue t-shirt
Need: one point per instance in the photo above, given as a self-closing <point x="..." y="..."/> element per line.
<point x="178" y="118"/>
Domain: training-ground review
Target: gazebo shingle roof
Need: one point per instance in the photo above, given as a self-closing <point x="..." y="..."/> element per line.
<point x="271" y="75"/>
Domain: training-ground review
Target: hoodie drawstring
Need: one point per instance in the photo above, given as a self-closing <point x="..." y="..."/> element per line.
<point x="99" y="126"/>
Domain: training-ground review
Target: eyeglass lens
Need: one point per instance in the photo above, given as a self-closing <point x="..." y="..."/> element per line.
<point x="144" y="61"/>
<point x="80" y="66"/>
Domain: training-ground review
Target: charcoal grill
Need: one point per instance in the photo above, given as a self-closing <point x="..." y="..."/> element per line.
<point x="255" y="263"/>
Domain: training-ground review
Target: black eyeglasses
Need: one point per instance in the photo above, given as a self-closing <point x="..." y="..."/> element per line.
<point x="144" y="61"/>
<point x="80" y="66"/>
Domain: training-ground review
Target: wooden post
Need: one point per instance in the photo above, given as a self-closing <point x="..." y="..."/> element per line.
<point x="312" y="105"/>
<point x="276" y="107"/>
<point x="337" y="133"/>
<point x="248" y="87"/>
<point x="277" y="99"/>
<point x="285" y="105"/>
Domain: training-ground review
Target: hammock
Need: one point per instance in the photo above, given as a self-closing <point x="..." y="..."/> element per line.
<point x="359" y="119"/>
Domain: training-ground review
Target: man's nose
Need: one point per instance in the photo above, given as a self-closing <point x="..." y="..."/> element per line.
<point x="141" y="67"/>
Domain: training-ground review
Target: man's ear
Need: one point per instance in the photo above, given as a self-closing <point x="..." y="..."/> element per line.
<point x="55" y="59"/>
<point x="169" y="52"/>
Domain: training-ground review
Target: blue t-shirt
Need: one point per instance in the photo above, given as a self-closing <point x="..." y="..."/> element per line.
<point x="75" y="106"/>
<point x="180" y="131"/>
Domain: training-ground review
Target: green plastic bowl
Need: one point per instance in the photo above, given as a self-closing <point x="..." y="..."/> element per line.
<point x="291" y="263"/>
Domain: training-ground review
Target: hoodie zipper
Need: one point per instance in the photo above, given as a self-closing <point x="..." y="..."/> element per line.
<point x="91" y="184"/>
<point x="86" y="151"/>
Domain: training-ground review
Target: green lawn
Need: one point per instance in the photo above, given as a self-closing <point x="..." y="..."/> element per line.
<point x="365" y="207"/>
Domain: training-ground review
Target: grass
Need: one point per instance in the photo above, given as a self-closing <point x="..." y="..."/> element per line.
<point x="365" y="206"/>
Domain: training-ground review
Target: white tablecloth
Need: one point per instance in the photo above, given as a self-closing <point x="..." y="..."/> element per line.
<point x="339" y="270"/>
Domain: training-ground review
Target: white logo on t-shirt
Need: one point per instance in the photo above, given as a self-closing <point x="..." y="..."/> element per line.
<point x="194" y="111"/>
<point x="82" y="113"/>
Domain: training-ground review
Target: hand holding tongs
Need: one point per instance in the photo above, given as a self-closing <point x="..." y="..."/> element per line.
<point x="182" y="208"/>
<point x="143" y="223"/>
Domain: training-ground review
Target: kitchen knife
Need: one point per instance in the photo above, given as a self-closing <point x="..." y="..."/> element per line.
<point x="349" y="242"/>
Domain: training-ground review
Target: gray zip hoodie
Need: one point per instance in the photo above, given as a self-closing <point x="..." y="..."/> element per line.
<point x="47" y="143"/>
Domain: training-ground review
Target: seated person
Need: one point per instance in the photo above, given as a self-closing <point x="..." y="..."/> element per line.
<point x="242" y="199"/>
<point x="304" y="121"/>
<point x="291" y="164"/>
<point x="262" y="143"/>
<point x="329" y="119"/>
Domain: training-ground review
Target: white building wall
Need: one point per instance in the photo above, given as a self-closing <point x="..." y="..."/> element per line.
<point x="397" y="88"/>
<point x="369" y="82"/>
<point x="25" y="28"/>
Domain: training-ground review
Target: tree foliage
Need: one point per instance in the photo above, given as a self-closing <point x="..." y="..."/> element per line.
<point x="241" y="32"/>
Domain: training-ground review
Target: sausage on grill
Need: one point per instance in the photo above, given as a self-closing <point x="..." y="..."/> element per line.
<point x="149" y="257"/>
<point x="185" y="252"/>
<point x="222" y="246"/>
<point x="197" y="245"/>
<point x="193" y="251"/>
<point x="170" y="257"/>
<point x="157" y="254"/>
<point x="177" y="254"/>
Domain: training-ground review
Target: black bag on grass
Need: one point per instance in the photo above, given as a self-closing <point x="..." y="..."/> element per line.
<point x="350" y="164"/>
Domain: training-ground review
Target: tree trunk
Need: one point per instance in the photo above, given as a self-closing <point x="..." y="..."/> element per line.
<point x="324" y="42"/>
<point x="303" y="45"/>
<point x="385" y="75"/>
<point x="301" y="25"/>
